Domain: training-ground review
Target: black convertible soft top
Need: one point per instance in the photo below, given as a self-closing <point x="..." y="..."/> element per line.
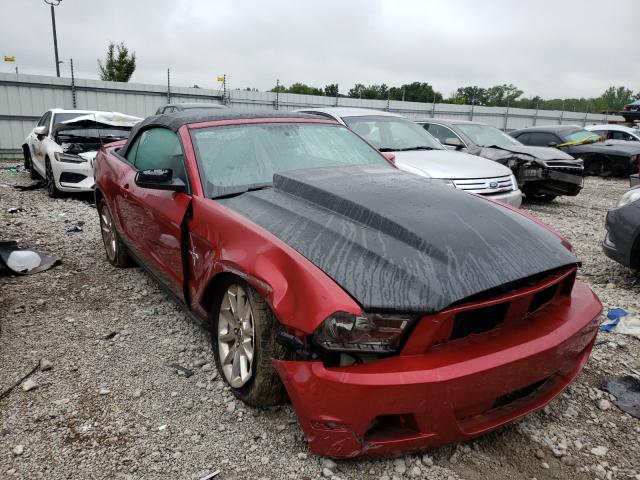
<point x="174" y="121"/>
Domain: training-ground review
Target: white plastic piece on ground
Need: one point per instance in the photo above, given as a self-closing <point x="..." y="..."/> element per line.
<point x="629" y="325"/>
<point x="23" y="260"/>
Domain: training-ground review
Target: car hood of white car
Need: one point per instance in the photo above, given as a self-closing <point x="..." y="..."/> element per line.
<point x="448" y="164"/>
<point x="115" y="119"/>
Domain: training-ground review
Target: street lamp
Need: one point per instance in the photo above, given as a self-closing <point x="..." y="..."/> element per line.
<point x="54" y="3"/>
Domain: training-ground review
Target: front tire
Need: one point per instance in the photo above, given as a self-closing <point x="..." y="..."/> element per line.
<point x="115" y="249"/>
<point x="52" y="190"/>
<point x="243" y="339"/>
<point x="543" y="197"/>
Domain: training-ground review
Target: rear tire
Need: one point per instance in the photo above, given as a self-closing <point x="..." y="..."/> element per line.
<point x="244" y="343"/>
<point x="115" y="249"/>
<point x="52" y="190"/>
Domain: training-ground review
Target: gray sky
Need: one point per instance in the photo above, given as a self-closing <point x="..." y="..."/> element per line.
<point x="552" y="48"/>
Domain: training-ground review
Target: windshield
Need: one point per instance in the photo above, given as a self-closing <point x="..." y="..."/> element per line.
<point x="237" y="158"/>
<point x="487" y="136"/>
<point x="95" y="132"/>
<point x="392" y="133"/>
<point x="63" y="117"/>
<point x="581" y="136"/>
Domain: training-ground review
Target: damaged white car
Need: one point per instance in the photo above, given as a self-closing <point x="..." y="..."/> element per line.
<point x="63" y="145"/>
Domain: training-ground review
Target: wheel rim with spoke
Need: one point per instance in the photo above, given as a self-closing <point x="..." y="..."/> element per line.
<point x="236" y="337"/>
<point x="50" y="183"/>
<point x="108" y="233"/>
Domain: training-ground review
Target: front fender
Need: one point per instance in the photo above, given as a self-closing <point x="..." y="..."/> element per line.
<point x="299" y="293"/>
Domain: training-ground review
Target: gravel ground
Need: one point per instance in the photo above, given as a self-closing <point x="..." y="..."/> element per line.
<point x="109" y="404"/>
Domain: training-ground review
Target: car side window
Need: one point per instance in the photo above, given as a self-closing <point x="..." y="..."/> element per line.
<point x="616" y="135"/>
<point x="523" y="138"/>
<point x="542" y="139"/>
<point x="441" y="132"/>
<point x="44" y="120"/>
<point x="159" y="148"/>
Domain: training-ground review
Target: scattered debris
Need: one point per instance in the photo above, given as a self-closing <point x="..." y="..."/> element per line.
<point x="627" y="392"/>
<point x="8" y="390"/>
<point x="629" y="325"/>
<point x="104" y="391"/>
<point x="613" y="318"/>
<point x="76" y="228"/>
<point x="110" y="335"/>
<point x="599" y="451"/>
<point x="18" y="450"/>
<point x="15" y="210"/>
<point x="181" y="370"/>
<point x="29" y="385"/>
<point x="211" y="475"/>
<point x="24" y="261"/>
<point x="32" y="186"/>
<point x="45" y="365"/>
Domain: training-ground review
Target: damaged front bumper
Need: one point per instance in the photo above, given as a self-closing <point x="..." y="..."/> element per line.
<point x="436" y="393"/>
<point x="550" y="181"/>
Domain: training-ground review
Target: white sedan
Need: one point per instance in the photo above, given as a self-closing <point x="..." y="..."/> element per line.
<point x="612" y="131"/>
<point x="62" y="146"/>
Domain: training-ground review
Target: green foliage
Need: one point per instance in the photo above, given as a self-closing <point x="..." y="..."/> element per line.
<point x="331" y="90"/>
<point x="118" y="66"/>
<point x="614" y="98"/>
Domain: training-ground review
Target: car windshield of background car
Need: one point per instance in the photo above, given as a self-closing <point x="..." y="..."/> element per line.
<point x="581" y="136"/>
<point x="235" y="158"/>
<point x="486" y="136"/>
<point x="392" y="133"/>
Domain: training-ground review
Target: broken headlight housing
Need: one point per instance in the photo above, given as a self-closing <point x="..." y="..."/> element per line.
<point x="69" y="158"/>
<point x="364" y="333"/>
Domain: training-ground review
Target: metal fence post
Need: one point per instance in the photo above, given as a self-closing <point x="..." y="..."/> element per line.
<point x="168" y="86"/>
<point x="73" y="85"/>
<point x="433" y="109"/>
<point x="535" y="117"/>
<point x="277" y="93"/>
<point x="506" y="117"/>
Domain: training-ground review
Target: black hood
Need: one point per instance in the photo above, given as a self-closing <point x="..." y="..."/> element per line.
<point x="399" y="242"/>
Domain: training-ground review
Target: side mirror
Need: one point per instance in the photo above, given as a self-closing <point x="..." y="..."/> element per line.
<point x="552" y="144"/>
<point x="389" y="156"/>
<point x="453" y="142"/>
<point x="159" y="179"/>
<point x="41" y="130"/>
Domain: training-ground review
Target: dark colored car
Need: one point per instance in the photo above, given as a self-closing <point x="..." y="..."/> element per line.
<point x="542" y="173"/>
<point x="396" y="312"/>
<point x="622" y="240"/>
<point x="631" y="111"/>
<point x="601" y="157"/>
<point x="181" y="107"/>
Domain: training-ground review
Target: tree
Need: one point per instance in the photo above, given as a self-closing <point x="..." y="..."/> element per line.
<point x="614" y="98"/>
<point x="502" y="95"/>
<point x="118" y="66"/>
<point x="331" y="90"/>
<point x="470" y="96"/>
<point x="415" y="92"/>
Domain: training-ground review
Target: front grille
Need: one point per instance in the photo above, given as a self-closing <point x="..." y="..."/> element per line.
<point x="485" y="186"/>
<point x="486" y="315"/>
<point x="68" y="177"/>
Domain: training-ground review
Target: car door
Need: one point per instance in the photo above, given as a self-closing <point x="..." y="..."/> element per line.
<point x="36" y="146"/>
<point x="152" y="219"/>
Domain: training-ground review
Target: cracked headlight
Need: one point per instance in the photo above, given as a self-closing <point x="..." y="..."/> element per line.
<point x="372" y="332"/>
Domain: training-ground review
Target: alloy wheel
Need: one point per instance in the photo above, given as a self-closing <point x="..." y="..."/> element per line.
<point x="236" y="337"/>
<point x="108" y="233"/>
<point x="51" y="185"/>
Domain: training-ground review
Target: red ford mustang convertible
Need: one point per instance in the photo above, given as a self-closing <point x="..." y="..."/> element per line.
<point x="395" y="312"/>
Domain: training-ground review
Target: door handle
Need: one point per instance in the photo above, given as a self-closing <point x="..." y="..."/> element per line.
<point x="124" y="190"/>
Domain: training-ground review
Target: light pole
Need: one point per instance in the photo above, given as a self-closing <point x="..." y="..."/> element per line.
<point x="54" y="3"/>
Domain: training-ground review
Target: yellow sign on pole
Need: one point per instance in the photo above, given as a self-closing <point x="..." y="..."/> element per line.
<point x="9" y="59"/>
<point x="221" y="79"/>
